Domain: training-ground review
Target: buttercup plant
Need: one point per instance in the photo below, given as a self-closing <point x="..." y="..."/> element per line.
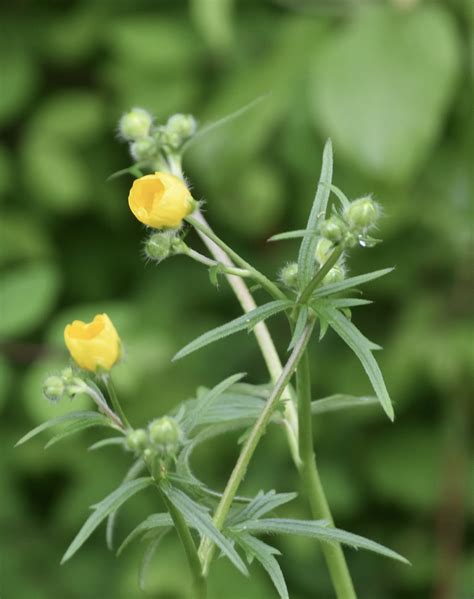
<point x="313" y="289"/>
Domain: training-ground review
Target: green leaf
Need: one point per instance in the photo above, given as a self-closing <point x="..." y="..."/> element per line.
<point x="316" y="529"/>
<point x="103" y="509"/>
<point x="341" y="196"/>
<point x="151" y="523"/>
<point x="77" y="426"/>
<point x="135" y="469"/>
<point x="201" y="406"/>
<point x="133" y="170"/>
<point x="265" y="554"/>
<point x="224" y="120"/>
<point x="351" y="282"/>
<point x="386" y="117"/>
<point x="232" y="406"/>
<point x="147" y="557"/>
<point x="246" y="321"/>
<point x="299" y="327"/>
<point x="106" y="443"/>
<point x="297" y="233"/>
<point x="82" y="415"/>
<point x="340" y="401"/>
<point x="200" y="519"/>
<point x="182" y="466"/>
<point x="261" y="504"/>
<point x="28" y="294"/>
<point x="306" y="261"/>
<point x="362" y="347"/>
<point x="349" y="302"/>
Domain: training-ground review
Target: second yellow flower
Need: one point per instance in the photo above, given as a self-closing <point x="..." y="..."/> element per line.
<point x="160" y="200"/>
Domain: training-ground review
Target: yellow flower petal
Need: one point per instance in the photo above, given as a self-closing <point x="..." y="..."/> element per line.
<point x="93" y="345"/>
<point x="160" y="200"/>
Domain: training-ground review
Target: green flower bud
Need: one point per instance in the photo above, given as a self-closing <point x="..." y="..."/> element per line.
<point x="333" y="229"/>
<point x="54" y="388"/>
<point x="143" y="149"/>
<point x="324" y="249"/>
<point x="137" y="440"/>
<point x="179" y="128"/>
<point x="135" y="124"/>
<point x="68" y="375"/>
<point x="335" y="275"/>
<point x="148" y="455"/>
<point x="351" y="240"/>
<point x="159" y="246"/>
<point x="362" y="213"/>
<point x="165" y="431"/>
<point x="289" y="274"/>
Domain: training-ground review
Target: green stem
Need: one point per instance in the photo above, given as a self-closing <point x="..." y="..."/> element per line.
<point x="238" y="272"/>
<point x="207" y="548"/>
<point x="319" y="276"/>
<point x="107" y="378"/>
<point x="265" y="282"/>
<point x="199" y="582"/>
<point x="311" y="482"/>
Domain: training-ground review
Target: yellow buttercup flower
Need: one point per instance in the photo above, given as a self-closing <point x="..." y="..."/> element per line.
<point x="160" y="200"/>
<point x="93" y="345"/>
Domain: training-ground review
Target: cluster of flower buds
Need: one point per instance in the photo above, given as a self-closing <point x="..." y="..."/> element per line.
<point x="161" y="439"/>
<point x="147" y="139"/>
<point x="324" y="249"/>
<point x="351" y="227"/>
<point x="65" y="385"/>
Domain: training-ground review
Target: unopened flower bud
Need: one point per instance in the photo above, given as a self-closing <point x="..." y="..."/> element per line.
<point x="179" y="128"/>
<point x="158" y="246"/>
<point x="165" y="431"/>
<point x="68" y="375"/>
<point x="137" y="440"/>
<point x="362" y="213"/>
<point x="289" y="274"/>
<point x="335" y="275"/>
<point x="135" y="124"/>
<point x="54" y="388"/>
<point x="324" y="250"/>
<point x="143" y="149"/>
<point x="333" y="229"/>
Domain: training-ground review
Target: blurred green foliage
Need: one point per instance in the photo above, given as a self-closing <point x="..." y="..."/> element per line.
<point x="388" y="83"/>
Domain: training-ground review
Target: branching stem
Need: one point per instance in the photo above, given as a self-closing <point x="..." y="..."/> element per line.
<point x="207" y="548"/>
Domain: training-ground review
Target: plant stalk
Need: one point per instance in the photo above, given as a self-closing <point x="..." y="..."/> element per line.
<point x="207" y="547"/>
<point x="107" y="379"/>
<point x="264" y="281"/>
<point x="199" y="582"/>
<point x="319" y="276"/>
<point x="311" y="482"/>
<point x="238" y="272"/>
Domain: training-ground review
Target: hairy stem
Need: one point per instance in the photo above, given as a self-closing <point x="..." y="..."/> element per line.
<point x="311" y="482"/>
<point x="319" y="276"/>
<point x="199" y="582"/>
<point x="107" y="379"/>
<point x="207" y="548"/>
<point x="230" y="270"/>
<point x="264" y="281"/>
